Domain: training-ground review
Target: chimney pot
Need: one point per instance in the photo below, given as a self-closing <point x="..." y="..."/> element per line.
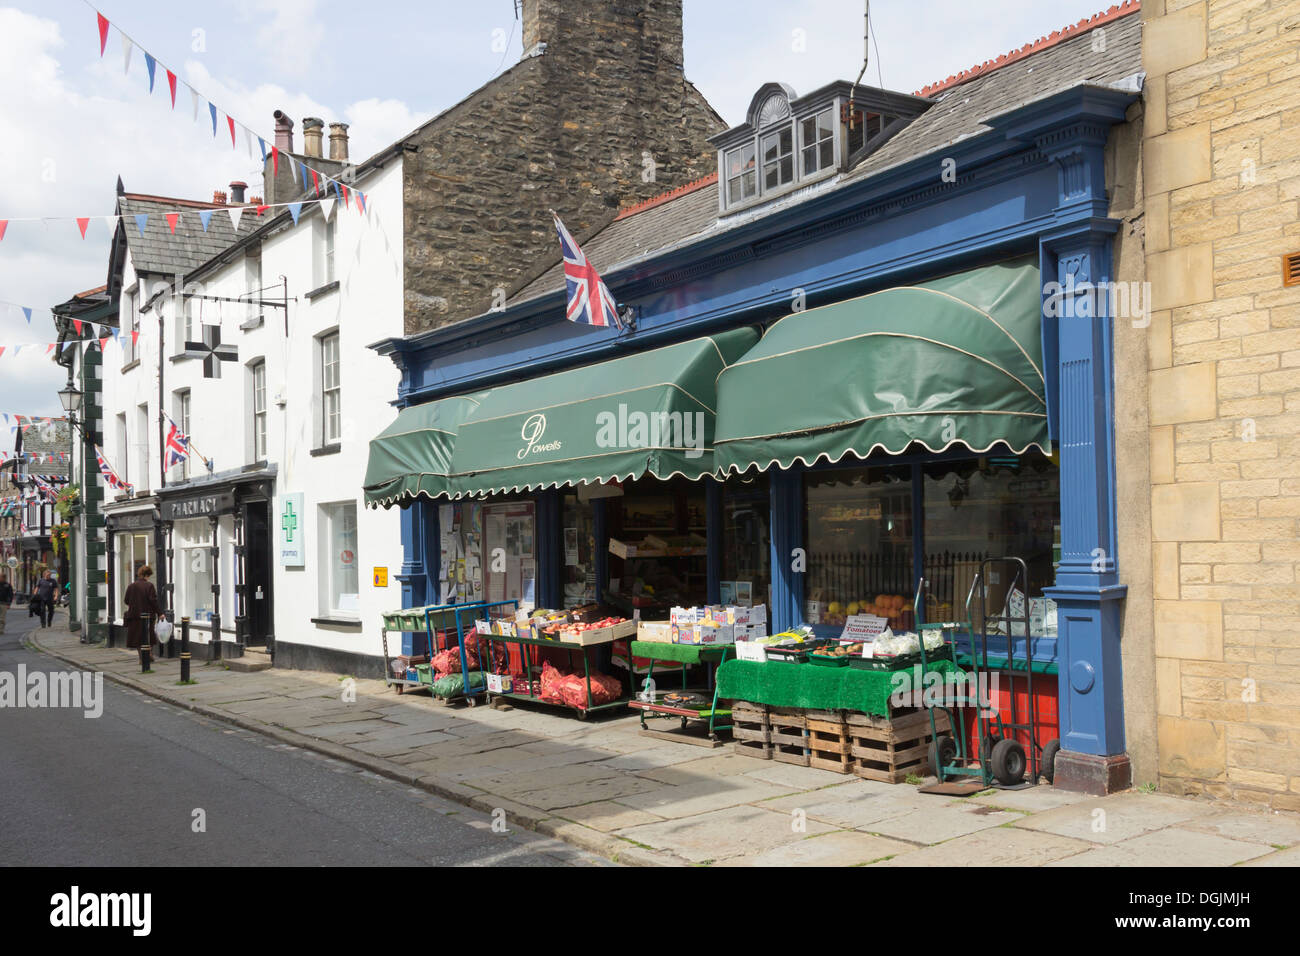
<point x="313" y="129"/>
<point x="283" y="132"/>
<point x="236" y="193"/>
<point x="339" y="141"/>
<point x="218" y="198"/>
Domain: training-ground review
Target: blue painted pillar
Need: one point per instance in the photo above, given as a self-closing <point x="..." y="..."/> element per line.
<point x="789" y="555"/>
<point x="550" y="549"/>
<point x="1076" y="258"/>
<point x="419" y="526"/>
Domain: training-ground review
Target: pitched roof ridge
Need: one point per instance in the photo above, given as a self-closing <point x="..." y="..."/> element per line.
<point x="172" y="201"/>
<point x="1052" y="39"/>
<point x="668" y="196"/>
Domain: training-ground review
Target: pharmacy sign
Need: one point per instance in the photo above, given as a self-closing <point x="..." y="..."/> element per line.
<point x="292" y="525"/>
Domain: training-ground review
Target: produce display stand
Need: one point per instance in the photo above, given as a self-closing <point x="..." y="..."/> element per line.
<point x="707" y="714"/>
<point x="430" y="620"/>
<point x="526" y="646"/>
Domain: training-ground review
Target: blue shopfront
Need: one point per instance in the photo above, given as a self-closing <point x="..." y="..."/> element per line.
<point x="878" y="482"/>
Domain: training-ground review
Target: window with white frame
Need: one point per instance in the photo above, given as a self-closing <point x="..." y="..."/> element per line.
<point x="338" y="562"/>
<point x="142" y="446"/>
<point x="253" y="282"/>
<point x="329" y="248"/>
<point x="742" y="178"/>
<point x="181" y="415"/>
<point x="130" y="326"/>
<point x="257" y="385"/>
<point x="817" y="142"/>
<point x="323" y="234"/>
<point x="331" y="391"/>
<point x="121" y="459"/>
<point x="778" y="158"/>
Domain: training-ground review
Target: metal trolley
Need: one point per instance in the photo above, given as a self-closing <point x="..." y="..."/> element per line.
<point x="431" y="620"/>
<point x="1004" y="742"/>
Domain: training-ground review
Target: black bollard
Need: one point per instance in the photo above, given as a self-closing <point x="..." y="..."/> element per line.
<point x="146" y="644"/>
<point x="185" y="650"/>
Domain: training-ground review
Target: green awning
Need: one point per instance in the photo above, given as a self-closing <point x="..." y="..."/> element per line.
<point x="651" y="413"/>
<point x="954" y="361"/>
<point x="412" y="456"/>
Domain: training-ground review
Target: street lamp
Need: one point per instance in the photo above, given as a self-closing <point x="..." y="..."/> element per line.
<point x="71" y="397"/>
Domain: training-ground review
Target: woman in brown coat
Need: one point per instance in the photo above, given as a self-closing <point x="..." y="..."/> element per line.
<point x="141" y="599"/>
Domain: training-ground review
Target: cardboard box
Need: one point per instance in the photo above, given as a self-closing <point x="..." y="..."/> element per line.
<point x="499" y="683"/>
<point x="749" y="632"/>
<point x="703" y="634"/>
<point x="687" y="616"/>
<point x="655" y="632"/>
<point x="747" y="615"/>
<point x="749" y="651"/>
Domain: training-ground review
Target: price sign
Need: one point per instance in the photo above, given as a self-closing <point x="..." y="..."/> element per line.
<point x="863" y="627"/>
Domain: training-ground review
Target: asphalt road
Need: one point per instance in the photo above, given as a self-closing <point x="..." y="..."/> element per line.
<point x="122" y="790"/>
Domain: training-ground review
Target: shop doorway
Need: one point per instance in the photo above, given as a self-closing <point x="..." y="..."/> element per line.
<point x="258" y="611"/>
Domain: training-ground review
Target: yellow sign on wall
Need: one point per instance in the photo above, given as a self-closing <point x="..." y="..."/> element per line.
<point x="381" y="577"/>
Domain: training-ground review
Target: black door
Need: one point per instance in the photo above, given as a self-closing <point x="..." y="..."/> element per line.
<point x="257" y="572"/>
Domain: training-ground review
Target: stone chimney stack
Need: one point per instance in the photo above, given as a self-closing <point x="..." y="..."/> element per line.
<point x="283" y="132"/>
<point x="313" y="129"/>
<point x="218" y="198"/>
<point x="584" y="30"/>
<point x="339" y="142"/>
<point x="237" y="193"/>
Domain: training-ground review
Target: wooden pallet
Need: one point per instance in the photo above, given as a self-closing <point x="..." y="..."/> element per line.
<point x="751" y="734"/>
<point x="890" y="749"/>
<point x="789" y="735"/>
<point x="829" y="745"/>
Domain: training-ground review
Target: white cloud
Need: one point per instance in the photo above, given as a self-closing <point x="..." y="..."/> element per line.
<point x="289" y="33"/>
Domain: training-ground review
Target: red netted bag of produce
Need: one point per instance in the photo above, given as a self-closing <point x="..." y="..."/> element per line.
<point x="447" y="662"/>
<point x="552" y="680"/>
<point x="604" y="689"/>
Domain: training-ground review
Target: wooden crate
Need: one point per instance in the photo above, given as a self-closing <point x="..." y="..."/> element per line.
<point x="751" y="733"/>
<point x="890" y="749"/>
<point x="829" y="745"/>
<point x="789" y="735"/>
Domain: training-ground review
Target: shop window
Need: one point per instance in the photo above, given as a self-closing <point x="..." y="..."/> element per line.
<point x="192" y="541"/>
<point x="746" y="544"/>
<point x="460" y="564"/>
<point x="510" y="552"/>
<point x="858" y="524"/>
<point x="133" y="553"/>
<point x="989" y="507"/>
<point x="661" y="526"/>
<point x="579" y="544"/>
<point x="339" y="588"/>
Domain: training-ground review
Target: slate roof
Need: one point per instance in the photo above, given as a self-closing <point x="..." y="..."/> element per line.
<point x="34" y="441"/>
<point x="163" y="252"/>
<point x="961" y="107"/>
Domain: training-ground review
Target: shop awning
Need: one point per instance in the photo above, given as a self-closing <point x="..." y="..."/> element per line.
<point x="412" y="456"/>
<point x="957" y="360"/>
<point x="651" y="413"/>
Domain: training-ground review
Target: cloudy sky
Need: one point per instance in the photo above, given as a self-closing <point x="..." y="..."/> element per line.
<point x="71" y="123"/>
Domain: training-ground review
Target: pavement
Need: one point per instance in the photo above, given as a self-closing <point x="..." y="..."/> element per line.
<point x="602" y="786"/>
<point x="147" y="783"/>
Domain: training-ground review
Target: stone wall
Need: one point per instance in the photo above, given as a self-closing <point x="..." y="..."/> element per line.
<point x="1222" y="177"/>
<point x="603" y="117"/>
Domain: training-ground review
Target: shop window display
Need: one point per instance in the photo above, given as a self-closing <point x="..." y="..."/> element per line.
<point x="662" y="525"/>
<point x="579" y="544"/>
<point x="993" y="506"/>
<point x="746" y="544"/>
<point x="858" y="526"/>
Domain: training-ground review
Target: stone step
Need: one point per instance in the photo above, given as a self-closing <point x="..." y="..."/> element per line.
<point x="255" y="659"/>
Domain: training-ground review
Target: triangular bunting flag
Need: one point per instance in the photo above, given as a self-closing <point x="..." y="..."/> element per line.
<point x="194" y="101"/>
<point x="213" y="110"/>
<point x="205" y="215"/>
<point x="4" y="224"/>
<point x="82" y="223"/>
<point x="76" y="324"/>
<point x="262" y="209"/>
<point x="235" y="213"/>
<point x="293" y="170"/>
<point x="275" y="160"/>
<point x="2" y="352"/>
<point x="248" y="141"/>
<point x="111" y="222"/>
<point x="302" y="168"/>
<point x="230" y="121"/>
<point x="151" y="65"/>
<point x="135" y="338"/>
<point x="361" y="203"/>
<point x="50" y="348"/>
<point x="327" y="207"/>
<point x="141" y="218"/>
<point x="261" y="144"/>
<point x="337" y="193"/>
<point x="103" y="342"/>
<point x="171" y="85"/>
<point x="103" y="31"/>
<point x="172" y="218"/>
<point x="295" y="210"/>
<point x="27" y="312"/>
<point x="315" y="180"/>
<point x="126" y="53"/>
<point x="346" y="204"/>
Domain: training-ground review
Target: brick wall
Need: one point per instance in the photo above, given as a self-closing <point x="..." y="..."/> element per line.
<point x="573" y="129"/>
<point x="1222" y="177"/>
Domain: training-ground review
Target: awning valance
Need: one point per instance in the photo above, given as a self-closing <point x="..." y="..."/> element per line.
<point x="957" y="360"/>
<point x="651" y="413"/>
<point x="412" y="456"/>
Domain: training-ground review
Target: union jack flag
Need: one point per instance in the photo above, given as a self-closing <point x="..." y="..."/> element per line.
<point x="110" y="476"/>
<point x="177" y="447"/>
<point x="590" y="302"/>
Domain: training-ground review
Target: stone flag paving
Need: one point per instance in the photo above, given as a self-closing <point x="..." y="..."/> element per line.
<point x="604" y="787"/>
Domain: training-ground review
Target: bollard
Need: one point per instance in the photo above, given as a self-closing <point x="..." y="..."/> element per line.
<point x="146" y="644"/>
<point x="185" y="650"/>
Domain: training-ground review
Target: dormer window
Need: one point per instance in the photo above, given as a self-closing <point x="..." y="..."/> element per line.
<point x="788" y="142"/>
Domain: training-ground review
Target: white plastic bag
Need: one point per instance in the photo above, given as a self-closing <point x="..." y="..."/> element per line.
<point x="163" y="631"/>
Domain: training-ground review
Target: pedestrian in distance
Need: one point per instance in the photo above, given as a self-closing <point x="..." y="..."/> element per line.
<point x="141" y="599"/>
<point x="6" y="599"/>
<point x="46" y="593"/>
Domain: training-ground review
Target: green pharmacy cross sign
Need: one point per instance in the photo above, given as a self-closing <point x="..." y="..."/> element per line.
<point x="293" y="551"/>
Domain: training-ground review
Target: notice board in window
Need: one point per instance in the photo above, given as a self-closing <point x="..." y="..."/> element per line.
<point x="509" y="550"/>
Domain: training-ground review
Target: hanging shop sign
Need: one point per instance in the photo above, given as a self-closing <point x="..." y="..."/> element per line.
<point x="199" y="506"/>
<point x="292" y="531"/>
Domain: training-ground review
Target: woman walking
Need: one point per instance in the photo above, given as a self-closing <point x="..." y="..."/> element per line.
<point x="141" y="599"/>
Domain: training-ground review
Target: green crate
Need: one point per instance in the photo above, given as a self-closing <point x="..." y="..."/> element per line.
<point x="424" y="673"/>
<point x="822" y="661"/>
<point x="902" y="661"/>
<point x="392" y="620"/>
